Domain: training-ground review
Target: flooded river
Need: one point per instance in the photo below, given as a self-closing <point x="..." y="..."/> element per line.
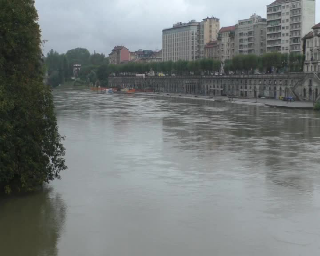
<point x="176" y="177"/>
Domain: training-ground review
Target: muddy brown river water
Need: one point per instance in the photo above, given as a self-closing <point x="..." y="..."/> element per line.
<point x="152" y="176"/>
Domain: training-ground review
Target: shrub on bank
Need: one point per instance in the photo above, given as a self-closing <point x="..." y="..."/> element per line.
<point x="317" y="106"/>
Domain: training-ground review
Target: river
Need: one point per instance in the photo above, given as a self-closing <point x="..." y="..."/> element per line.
<point x="152" y="176"/>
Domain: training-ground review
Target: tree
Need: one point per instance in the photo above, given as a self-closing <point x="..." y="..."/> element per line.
<point x="78" y="56"/>
<point x="228" y="66"/>
<point x="238" y="62"/>
<point x="54" y="79"/>
<point x="53" y="61"/>
<point x="250" y="62"/>
<point x="31" y="150"/>
<point x="97" y="59"/>
<point x="102" y="73"/>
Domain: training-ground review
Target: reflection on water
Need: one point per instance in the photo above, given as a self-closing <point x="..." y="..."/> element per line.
<point x="31" y="224"/>
<point x="163" y="176"/>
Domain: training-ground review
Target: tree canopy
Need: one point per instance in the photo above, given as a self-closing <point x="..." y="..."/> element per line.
<point x="31" y="149"/>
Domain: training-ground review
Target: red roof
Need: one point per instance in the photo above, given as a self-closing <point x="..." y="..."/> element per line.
<point x="227" y="29"/>
<point x="316" y="26"/>
<point x="308" y="36"/>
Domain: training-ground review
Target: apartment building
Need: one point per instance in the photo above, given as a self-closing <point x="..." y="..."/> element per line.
<point x="211" y="50"/>
<point x="287" y="22"/>
<point x="180" y="42"/>
<point x="119" y="54"/>
<point x="208" y="31"/>
<point x="312" y="50"/>
<point x="250" y="36"/>
<point x="186" y="41"/>
<point x="226" y="41"/>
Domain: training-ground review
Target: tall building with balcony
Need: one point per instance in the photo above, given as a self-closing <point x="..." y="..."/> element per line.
<point x="288" y="21"/>
<point x="208" y="32"/>
<point x="226" y="41"/>
<point x="180" y="42"/>
<point x="250" y="36"/>
<point x="186" y="41"/>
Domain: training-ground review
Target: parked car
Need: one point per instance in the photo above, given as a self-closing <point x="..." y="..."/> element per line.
<point x="281" y="97"/>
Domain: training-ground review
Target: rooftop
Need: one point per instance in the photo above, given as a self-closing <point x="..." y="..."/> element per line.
<point x="277" y="2"/>
<point x="308" y="36"/>
<point x="316" y="26"/>
<point x="227" y="29"/>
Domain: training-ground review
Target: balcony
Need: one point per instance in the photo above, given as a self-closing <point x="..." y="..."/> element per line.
<point x="274" y="18"/>
<point x="295" y="8"/>
<point x="273" y="44"/>
<point x="273" y="39"/>
<point x="295" y="29"/>
<point x="274" y="32"/>
<point x="295" y="15"/>
<point x="295" y="22"/>
<point x="274" y="10"/>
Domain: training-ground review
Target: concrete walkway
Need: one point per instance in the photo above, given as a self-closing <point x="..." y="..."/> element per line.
<point x="280" y="103"/>
<point x="259" y="102"/>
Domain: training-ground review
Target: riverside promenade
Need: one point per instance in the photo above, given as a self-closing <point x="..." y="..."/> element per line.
<point x="247" y="101"/>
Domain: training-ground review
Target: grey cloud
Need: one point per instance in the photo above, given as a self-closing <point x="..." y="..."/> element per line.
<point x="137" y="24"/>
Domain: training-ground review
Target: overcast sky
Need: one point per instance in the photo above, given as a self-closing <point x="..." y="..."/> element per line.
<point x="99" y="25"/>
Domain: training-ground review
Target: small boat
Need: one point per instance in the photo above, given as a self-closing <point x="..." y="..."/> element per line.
<point x="131" y="91"/>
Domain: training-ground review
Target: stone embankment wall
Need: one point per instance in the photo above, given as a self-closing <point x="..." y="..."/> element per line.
<point x="298" y="85"/>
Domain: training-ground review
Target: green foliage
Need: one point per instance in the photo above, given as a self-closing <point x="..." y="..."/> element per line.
<point x="102" y="72"/>
<point x="88" y="73"/>
<point x="78" y="56"/>
<point x="270" y="62"/>
<point x="97" y="59"/>
<point x="228" y="66"/>
<point x="54" y="79"/>
<point x="57" y="68"/>
<point x="60" y="66"/>
<point x="31" y="150"/>
<point x="317" y="106"/>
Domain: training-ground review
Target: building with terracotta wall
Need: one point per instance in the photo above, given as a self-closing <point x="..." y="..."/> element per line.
<point x="119" y="54"/>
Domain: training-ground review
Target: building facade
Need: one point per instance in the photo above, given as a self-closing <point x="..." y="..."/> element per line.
<point x="208" y="31"/>
<point x="250" y="36"/>
<point x="211" y="50"/>
<point x="226" y="41"/>
<point x="288" y="21"/>
<point x="298" y="85"/>
<point x="312" y="50"/>
<point x="180" y="42"/>
<point x="119" y="54"/>
<point x="186" y="41"/>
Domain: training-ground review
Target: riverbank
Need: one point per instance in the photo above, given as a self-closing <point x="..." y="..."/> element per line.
<point x="258" y="102"/>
